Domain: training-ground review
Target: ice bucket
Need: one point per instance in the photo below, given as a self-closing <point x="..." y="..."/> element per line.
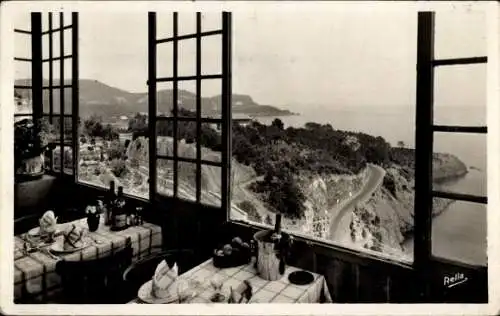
<point x="271" y="254"/>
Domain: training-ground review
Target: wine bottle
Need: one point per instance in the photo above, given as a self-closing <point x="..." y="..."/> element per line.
<point x="119" y="211"/>
<point x="109" y="203"/>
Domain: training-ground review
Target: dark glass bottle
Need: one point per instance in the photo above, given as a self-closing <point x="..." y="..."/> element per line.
<point x="119" y="211"/>
<point x="110" y="200"/>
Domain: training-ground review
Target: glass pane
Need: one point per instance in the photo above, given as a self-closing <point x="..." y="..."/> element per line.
<point x="211" y="106"/>
<point x="164" y="25"/>
<point x="187" y="181"/>
<point x="164" y="60"/>
<point x="186" y="135"/>
<point x="67" y="156"/>
<point x="22" y="101"/>
<point x="164" y="140"/>
<point x="211" y="144"/>
<point x="460" y="95"/>
<point x="165" y="177"/>
<point x="68" y="38"/>
<point x="187" y="99"/>
<point x="460" y="163"/>
<point x="22" y="21"/>
<point x="460" y="33"/>
<point x="187" y="23"/>
<point x="22" y="73"/>
<point x="211" y="21"/>
<point x="164" y="99"/>
<point x="459" y="232"/>
<point x="187" y="57"/>
<point x="22" y="45"/>
<point x="211" y="55"/>
<point x="56" y="103"/>
<point x="211" y="185"/>
<point x="68" y="160"/>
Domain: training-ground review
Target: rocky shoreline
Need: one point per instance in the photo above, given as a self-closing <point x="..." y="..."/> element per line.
<point x="386" y="221"/>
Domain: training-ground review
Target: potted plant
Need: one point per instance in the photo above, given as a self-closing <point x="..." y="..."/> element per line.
<point x="30" y="143"/>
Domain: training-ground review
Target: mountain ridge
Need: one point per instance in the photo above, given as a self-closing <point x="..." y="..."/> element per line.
<point x="97" y="98"/>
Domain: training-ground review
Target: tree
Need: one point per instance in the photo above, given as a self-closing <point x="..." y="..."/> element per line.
<point x="401" y="144"/>
<point x="278" y="123"/>
<point x="251" y="211"/>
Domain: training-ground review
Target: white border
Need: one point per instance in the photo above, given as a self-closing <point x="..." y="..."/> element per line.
<point x="6" y="170"/>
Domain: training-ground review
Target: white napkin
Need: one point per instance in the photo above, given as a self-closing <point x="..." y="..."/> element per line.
<point x="48" y="222"/>
<point x="163" y="278"/>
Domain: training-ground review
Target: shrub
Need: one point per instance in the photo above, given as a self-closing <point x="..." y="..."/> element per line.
<point x="118" y="167"/>
<point x="252" y="212"/>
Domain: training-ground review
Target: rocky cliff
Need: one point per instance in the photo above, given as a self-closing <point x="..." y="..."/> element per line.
<point x="386" y="220"/>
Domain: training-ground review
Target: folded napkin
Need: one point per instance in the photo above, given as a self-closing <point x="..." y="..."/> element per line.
<point x="48" y="223"/>
<point x="242" y="294"/>
<point x="163" y="279"/>
<point x="73" y="237"/>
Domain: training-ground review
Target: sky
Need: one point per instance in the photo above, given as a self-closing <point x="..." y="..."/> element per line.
<point x="297" y="59"/>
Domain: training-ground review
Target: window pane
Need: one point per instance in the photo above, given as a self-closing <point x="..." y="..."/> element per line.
<point x="211" y="105"/>
<point x="22" y="73"/>
<point x="108" y="153"/>
<point x="165" y="177"/>
<point x="460" y="95"/>
<point x="164" y="140"/>
<point x="22" y="44"/>
<point x="186" y="133"/>
<point x="186" y="99"/>
<point x="164" y="99"/>
<point x="459" y="164"/>
<point x="211" y="144"/>
<point x="211" y="55"/>
<point x="22" y="101"/>
<point x="164" y="59"/>
<point x="342" y="168"/>
<point x="459" y="233"/>
<point x="211" y="21"/>
<point x="211" y="185"/>
<point x="460" y="33"/>
<point x="164" y="25"/>
<point x="67" y="157"/>
<point x="187" y="181"/>
<point x="187" y="57"/>
<point x="187" y="23"/>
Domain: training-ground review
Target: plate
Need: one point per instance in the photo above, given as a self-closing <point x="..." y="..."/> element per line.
<point x="59" y="247"/>
<point x="146" y="295"/>
<point x="35" y="232"/>
<point x="301" y="278"/>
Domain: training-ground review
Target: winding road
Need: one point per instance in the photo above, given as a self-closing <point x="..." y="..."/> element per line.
<point x="375" y="178"/>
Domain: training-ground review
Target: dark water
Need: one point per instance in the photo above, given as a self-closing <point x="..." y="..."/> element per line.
<point x="459" y="232"/>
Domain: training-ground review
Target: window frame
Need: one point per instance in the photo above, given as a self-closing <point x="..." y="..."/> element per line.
<point x="153" y="117"/>
<point x="425" y="128"/>
<point x="37" y="86"/>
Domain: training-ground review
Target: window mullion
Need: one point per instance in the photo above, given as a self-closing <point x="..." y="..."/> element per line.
<point x="424" y="149"/>
<point x="198" y="107"/>
<point x="75" y="91"/>
<point x="61" y="93"/>
<point x="175" y="101"/>
<point x="226" y="113"/>
<point x="51" y="74"/>
<point x="152" y="104"/>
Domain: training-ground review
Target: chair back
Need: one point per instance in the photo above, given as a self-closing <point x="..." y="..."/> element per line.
<point x="142" y="270"/>
<point x="97" y="281"/>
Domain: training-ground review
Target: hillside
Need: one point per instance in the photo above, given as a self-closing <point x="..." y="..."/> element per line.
<point x="106" y="101"/>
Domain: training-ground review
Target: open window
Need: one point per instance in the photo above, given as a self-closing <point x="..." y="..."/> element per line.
<point x="189" y="108"/>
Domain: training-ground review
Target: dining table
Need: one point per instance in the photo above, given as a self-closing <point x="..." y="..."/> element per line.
<point x="35" y="278"/>
<point x="263" y="291"/>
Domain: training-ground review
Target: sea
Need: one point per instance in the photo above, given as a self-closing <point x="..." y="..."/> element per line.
<point x="459" y="233"/>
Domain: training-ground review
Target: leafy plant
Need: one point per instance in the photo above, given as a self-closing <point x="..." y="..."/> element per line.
<point x="30" y="139"/>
